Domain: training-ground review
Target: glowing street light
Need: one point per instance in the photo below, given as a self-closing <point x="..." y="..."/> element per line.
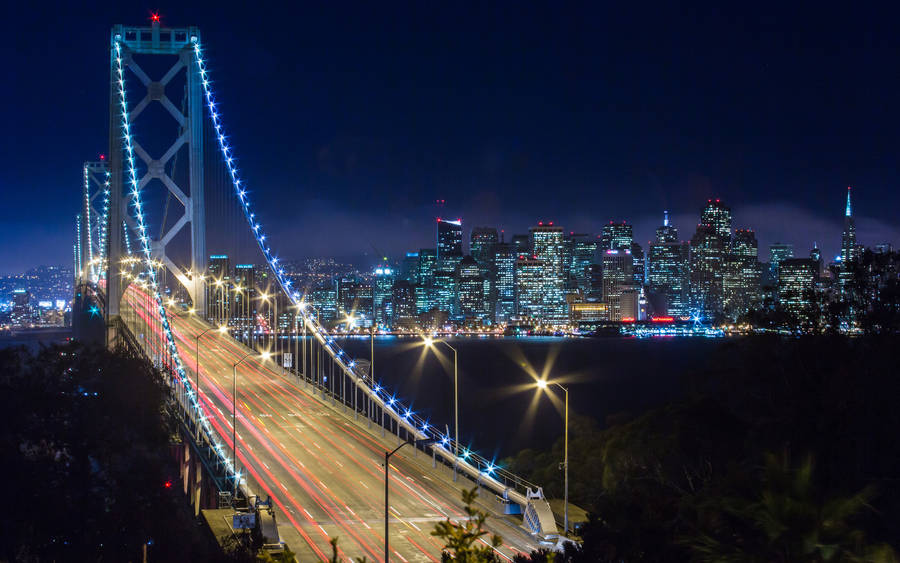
<point x="543" y="384"/>
<point x="430" y="343"/>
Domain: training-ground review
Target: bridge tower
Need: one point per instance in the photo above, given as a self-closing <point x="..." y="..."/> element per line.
<point x="177" y="46"/>
<point x="94" y="216"/>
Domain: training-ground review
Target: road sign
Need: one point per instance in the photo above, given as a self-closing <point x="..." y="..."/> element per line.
<point x="243" y="520"/>
<point x="288" y="360"/>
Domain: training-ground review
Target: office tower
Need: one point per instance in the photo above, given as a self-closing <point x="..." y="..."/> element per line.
<point x="741" y="280"/>
<point x="403" y="305"/>
<point x="505" y="256"/>
<point x="427" y="266"/>
<point x="481" y="244"/>
<point x="582" y="252"/>
<point x="849" y="250"/>
<point x="638" y="264"/>
<point x="617" y="278"/>
<point x="444" y="291"/>
<point x="354" y="297"/>
<point x="669" y="272"/>
<point x="717" y="216"/>
<point x="547" y="246"/>
<point x="708" y="249"/>
<point x="244" y="295"/>
<point x="472" y="290"/>
<point x="666" y="232"/>
<point x="409" y="268"/>
<point x="816" y="254"/>
<point x="616" y="236"/>
<point x="778" y="252"/>
<point x="522" y="244"/>
<point x="381" y="295"/>
<point x="796" y="283"/>
<point x="449" y="243"/>
<point x="323" y="300"/>
<point x="882" y="248"/>
<point x="217" y="288"/>
<point x="530" y="281"/>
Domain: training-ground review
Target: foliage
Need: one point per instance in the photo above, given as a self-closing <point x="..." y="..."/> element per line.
<point x="786" y="521"/>
<point x="655" y="484"/>
<point x="462" y="542"/>
<point x="85" y="446"/>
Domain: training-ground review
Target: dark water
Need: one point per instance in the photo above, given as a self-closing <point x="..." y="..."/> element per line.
<point x="500" y="409"/>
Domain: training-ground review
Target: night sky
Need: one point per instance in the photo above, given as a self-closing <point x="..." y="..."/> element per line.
<point x="351" y="120"/>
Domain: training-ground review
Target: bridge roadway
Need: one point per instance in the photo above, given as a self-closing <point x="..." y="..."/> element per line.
<point x="323" y="470"/>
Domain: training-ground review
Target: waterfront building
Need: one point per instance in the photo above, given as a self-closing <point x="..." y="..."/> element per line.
<point x="323" y="300"/>
<point x="504" y="288"/>
<point x="547" y="245"/>
<point x="381" y="295"/>
<point x="668" y="272"/>
<point x="444" y="291"/>
<point x="530" y="288"/>
<point x="472" y="290"/>
<point x="581" y="253"/>
<point x="617" y="278"/>
<point x="796" y="283"/>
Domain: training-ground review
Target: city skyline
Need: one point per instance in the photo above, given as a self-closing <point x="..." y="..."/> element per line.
<point x="742" y="123"/>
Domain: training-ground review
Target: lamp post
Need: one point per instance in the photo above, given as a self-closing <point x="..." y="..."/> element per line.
<point x="387" y="466"/>
<point x="430" y="342"/>
<point x="264" y="356"/>
<point x="542" y="384"/>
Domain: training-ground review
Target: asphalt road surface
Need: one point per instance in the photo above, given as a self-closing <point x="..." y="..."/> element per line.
<point x="323" y="469"/>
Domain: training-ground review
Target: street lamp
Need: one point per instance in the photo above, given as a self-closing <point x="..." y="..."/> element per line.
<point x="430" y="342"/>
<point x="387" y="465"/>
<point x="263" y="356"/>
<point x="543" y="384"/>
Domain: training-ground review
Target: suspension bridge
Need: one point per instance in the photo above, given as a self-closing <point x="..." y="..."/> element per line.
<point x="270" y="406"/>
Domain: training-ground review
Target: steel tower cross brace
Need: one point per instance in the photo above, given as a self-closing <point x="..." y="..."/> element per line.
<point x="94" y="188"/>
<point x="175" y="44"/>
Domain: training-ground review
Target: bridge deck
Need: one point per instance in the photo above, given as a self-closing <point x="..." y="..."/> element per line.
<point x="323" y="470"/>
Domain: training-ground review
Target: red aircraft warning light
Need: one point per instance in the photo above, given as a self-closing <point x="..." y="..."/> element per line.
<point x="154" y="17"/>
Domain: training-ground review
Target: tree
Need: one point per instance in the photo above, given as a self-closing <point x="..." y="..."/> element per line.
<point x="462" y="541"/>
<point x="786" y="520"/>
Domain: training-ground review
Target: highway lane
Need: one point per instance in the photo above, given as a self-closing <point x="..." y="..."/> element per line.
<point x="323" y="470"/>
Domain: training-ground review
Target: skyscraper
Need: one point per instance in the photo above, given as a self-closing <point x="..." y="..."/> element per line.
<point x="778" y="252"/>
<point x="638" y="265"/>
<point x="708" y="249"/>
<point x="481" y="244"/>
<point x="381" y="295"/>
<point x="717" y="216"/>
<point x="471" y="290"/>
<point x="449" y="243"/>
<point x="849" y="250"/>
<point x="403" y="305"/>
<point x="505" y="256"/>
<point x="796" y="282"/>
<point x="409" y="268"/>
<point x="741" y="281"/>
<point x="547" y="246"/>
<point x="427" y="266"/>
<point x="529" y="288"/>
<point x="617" y="278"/>
<point x="668" y="272"/>
<point x="582" y="252"/>
<point x="617" y="236"/>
